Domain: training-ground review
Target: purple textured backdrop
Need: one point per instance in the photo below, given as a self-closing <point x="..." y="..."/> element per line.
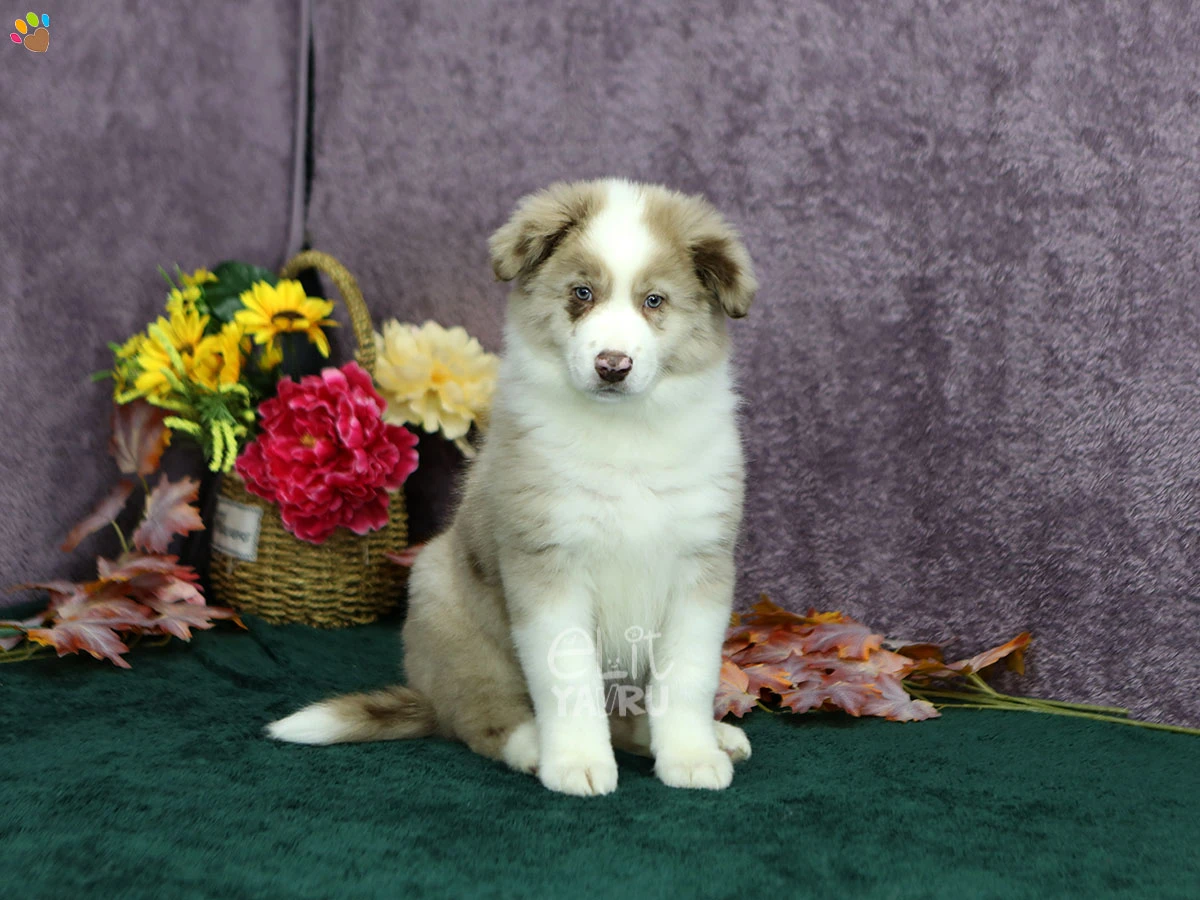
<point x="148" y="134"/>
<point x="972" y="374"/>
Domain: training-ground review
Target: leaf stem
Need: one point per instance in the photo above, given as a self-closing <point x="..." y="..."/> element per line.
<point x="28" y="651"/>
<point x="992" y="695"/>
<point x="121" y="537"/>
<point x="1078" y="714"/>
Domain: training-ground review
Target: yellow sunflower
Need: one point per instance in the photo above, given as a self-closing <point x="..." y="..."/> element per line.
<point x="438" y="378"/>
<point x="183" y="331"/>
<point x="272" y="311"/>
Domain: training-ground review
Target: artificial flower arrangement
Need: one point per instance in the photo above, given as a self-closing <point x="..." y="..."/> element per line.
<point x="234" y="363"/>
<point x="329" y="446"/>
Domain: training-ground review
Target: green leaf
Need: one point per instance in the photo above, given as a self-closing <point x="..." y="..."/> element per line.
<point x="223" y="297"/>
<point x="167" y="278"/>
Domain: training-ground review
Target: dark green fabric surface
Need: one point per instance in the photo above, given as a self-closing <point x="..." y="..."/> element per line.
<point x="156" y="783"/>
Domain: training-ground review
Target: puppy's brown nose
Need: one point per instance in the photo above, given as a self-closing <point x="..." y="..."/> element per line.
<point x="613" y="366"/>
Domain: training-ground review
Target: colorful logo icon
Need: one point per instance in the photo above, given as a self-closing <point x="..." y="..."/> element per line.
<point x="33" y="32"/>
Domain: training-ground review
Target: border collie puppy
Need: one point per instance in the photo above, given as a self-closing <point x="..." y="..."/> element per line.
<point x="580" y="596"/>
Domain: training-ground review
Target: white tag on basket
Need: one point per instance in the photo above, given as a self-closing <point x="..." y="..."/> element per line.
<point x="235" y="529"/>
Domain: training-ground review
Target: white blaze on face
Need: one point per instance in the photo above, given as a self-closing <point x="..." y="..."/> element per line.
<point x="619" y="237"/>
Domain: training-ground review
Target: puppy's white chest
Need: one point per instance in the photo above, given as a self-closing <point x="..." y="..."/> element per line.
<point x="643" y="510"/>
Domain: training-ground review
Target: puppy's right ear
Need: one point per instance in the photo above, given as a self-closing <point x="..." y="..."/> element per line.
<point x="538" y="226"/>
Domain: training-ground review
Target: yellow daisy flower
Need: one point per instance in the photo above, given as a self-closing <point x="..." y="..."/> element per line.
<point x="131" y="347"/>
<point x="219" y="356"/>
<point x="438" y="378"/>
<point x="184" y="331"/>
<point x="126" y="369"/>
<point x="197" y="278"/>
<point x="272" y="311"/>
<point x="182" y="301"/>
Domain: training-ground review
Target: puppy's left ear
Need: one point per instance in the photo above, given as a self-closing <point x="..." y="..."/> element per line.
<point x="724" y="267"/>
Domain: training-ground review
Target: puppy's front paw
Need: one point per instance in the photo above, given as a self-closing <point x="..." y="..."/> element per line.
<point x="709" y="768"/>
<point x="582" y="773"/>
<point x="732" y="740"/>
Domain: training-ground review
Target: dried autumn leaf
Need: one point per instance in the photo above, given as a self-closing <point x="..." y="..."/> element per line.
<point x="802" y="668"/>
<point x="895" y="704"/>
<point x="776" y="646"/>
<point x="917" y="651"/>
<point x="139" y="437"/>
<point x="767" y="677"/>
<point x="735" y="645"/>
<point x="82" y="622"/>
<point x="829" y="661"/>
<point x="106" y="511"/>
<point x="59" y="589"/>
<point x="179" y="618"/>
<point x="96" y="638"/>
<point x="850" y="696"/>
<point x="804" y="697"/>
<point x="169" y="512"/>
<point x="923" y="671"/>
<point x="879" y="664"/>
<point x="10" y="641"/>
<point x="1015" y="647"/>
<point x="766" y="612"/>
<point x="130" y="565"/>
<point x="112" y="611"/>
<point x="732" y="694"/>
<point x="754" y="634"/>
<point x="148" y="577"/>
<point x="852" y="640"/>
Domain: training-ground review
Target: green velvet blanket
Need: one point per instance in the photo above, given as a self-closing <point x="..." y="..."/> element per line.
<point x="157" y="783"/>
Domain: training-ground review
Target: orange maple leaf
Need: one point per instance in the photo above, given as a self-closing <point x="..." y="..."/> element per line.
<point x="105" y="512"/>
<point x="1015" y="649"/>
<point x="139" y="437"/>
<point x="733" y="694"/>
<point x="169" y="512"/>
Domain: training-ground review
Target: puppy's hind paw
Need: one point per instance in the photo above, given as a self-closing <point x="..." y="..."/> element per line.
<point x="521" y="749"/>
<point x="733" y="741"/>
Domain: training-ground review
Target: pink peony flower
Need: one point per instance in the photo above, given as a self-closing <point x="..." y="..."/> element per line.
<point x="325" y="455"/>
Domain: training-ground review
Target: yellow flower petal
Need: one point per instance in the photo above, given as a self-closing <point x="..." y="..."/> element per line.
<point x="199" y="277"/>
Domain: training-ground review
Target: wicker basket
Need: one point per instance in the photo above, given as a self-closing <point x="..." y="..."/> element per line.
<point x="347" y="580"/>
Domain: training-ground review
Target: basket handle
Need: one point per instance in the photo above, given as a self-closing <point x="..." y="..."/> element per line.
<point x="356" y="307"/>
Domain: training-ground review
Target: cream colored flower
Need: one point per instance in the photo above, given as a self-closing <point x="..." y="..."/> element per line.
<point x="440" y="379"/>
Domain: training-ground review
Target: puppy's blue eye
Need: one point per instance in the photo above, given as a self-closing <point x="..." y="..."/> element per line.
<point x="654" y="301"/>
<point x="583" y="293"/>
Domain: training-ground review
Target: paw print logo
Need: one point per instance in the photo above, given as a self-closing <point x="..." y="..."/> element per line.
<point x="33" y="32"/>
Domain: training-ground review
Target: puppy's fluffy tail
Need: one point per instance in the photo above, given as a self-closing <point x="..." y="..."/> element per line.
<point x="392" y="714"/>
